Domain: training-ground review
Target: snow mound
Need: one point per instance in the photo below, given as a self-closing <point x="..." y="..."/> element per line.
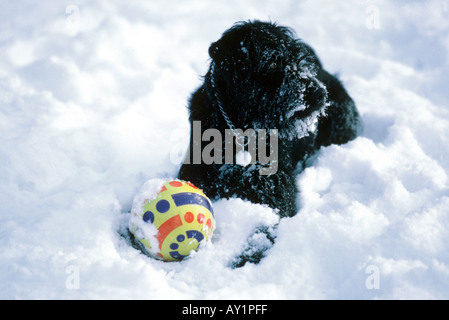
<point x="93" y="104"/>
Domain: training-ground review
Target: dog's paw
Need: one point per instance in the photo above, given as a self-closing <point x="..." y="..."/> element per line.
<point x="256" y="247"/>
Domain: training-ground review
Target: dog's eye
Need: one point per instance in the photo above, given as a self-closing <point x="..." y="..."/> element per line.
<point x="273" y="65"/>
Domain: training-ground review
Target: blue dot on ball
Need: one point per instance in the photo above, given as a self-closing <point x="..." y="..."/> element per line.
<point x="174" y="246"/>
<point x="148" y="216"/>
<point x="180" y="238"/>
<point x="162" y="206"/>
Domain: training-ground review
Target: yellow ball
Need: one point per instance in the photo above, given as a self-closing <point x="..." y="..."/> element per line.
<point x="182" y="216"/>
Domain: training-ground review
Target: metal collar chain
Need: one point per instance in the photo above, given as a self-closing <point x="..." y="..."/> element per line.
<point x="223" y="113"/>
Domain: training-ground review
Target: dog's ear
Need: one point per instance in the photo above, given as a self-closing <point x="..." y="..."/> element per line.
<point x="214" y="50"/>
<point x="225" y="47"/>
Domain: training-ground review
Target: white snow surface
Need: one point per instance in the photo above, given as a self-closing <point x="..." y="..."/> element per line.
<point x="93" y="100"/>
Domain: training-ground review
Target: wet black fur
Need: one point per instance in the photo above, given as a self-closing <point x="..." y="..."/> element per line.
<point x="252" y="74"/>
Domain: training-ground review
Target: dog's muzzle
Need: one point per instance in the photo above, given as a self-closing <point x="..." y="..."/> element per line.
<point x="302" y="109"/>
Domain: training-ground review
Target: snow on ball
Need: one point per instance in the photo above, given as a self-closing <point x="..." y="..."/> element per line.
<point x="168" y="224"/>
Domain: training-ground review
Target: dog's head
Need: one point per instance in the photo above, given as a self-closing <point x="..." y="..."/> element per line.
<point x="266" y="78"/>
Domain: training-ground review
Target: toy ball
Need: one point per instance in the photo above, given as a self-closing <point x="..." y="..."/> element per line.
<point x="174" y="222"/>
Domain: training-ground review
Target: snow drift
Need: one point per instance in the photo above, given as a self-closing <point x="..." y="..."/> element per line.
<point x="93" y="104"/>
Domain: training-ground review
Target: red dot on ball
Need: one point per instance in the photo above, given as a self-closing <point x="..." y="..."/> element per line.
<point x="189" y="217"/>
<point x="209" y="223"/>
<point x="201" y="218"/>
<point x="175" y="184"/>
<point x="192" y="185"/>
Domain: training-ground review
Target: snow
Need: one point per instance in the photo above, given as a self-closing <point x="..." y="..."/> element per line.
<point x="93" y="102"/>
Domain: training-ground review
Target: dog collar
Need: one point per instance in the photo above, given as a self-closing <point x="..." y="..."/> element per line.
<point x="221" y="108"/>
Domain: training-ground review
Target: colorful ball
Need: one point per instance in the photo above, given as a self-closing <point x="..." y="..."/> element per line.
<point x="175" y="222"/>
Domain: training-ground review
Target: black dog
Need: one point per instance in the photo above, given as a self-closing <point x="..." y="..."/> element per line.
<point x="262" y="78"/>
